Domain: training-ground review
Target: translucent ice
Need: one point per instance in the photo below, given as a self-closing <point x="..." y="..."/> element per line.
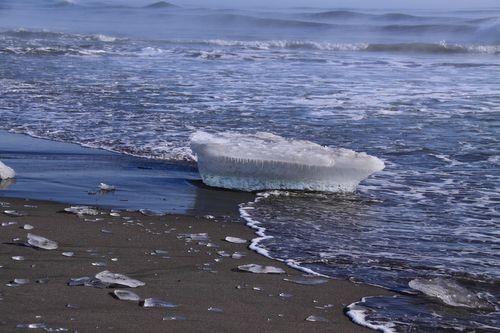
<point x="41" y="242"/>
<point x="6" y="172"/>
<point x="235" y="240"/>
<point x="157" y="303"/>
<point x="125" y="295"/>
<point x="259" y="269"/>
<point x="81" y="210"/>
<point x="266" y="161"/>
<point x="14" y="213"/>
<point x="106" y="188"/>
<point x="120" y="279"/>
<point x="316" y="318"/>
<point x="449" y="292"/>
<point x="311" y="281"/>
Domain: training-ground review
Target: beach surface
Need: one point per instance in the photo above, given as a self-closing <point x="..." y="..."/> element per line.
<point x="183" y="259"/>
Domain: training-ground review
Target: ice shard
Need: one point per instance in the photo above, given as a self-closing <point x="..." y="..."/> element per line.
<point x="41" y="242"/>
<point x="6" y="172"/>
<point x="119" y="279"/>
<point x="266" y="161"/>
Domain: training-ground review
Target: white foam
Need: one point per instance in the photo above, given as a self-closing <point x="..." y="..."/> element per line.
<point x="267" y="161"/>
<point x="358" y="315"/>
<point x="6" y="172"/>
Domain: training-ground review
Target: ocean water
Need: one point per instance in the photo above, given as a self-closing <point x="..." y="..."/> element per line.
<point x="418" y="89"/>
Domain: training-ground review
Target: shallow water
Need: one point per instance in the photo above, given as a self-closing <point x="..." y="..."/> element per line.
<point x="418" y="89"/>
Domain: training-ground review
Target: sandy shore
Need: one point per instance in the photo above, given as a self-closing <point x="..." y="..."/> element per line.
<point x="155" y="250"/>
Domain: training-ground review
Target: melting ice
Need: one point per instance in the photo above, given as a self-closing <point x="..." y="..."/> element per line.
<point x="267" y="161"/>
<point x="6" y="172"/>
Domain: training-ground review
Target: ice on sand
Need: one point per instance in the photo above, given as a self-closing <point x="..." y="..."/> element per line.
<point x="106" y="188"/>
<point x="119" y="279"/>
<point x="267" y="161"/>
<point x="235" y="240"/>
<point x="6" y="172"/>
<point x="81" y="210"/>
<point x="259" y="269"/>
<point x="125" y="295"/>
<point x="449" y="292"/>
<point x="157" y="303"/>
<point x="41" y="242"/>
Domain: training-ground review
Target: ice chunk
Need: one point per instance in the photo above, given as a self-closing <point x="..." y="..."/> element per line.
<point x="120" y="279"/>
<point x="106" y="188"/>
<point x="259" y="269"/>
<point x="449" y="292"/>
<point x="215" y="309"/>
<point x="310" y="281"/>
<point x="81" y="210"/>
<point x="266" y="161"/>
<point x="6" y="172"/>
<point x="149" y="212"/>
<point x="14" y="213"/>
<point x="316" y="318"/>
<point x="41" y="242"/>
<point x="28" y="227"/>
<point x="125" y="295"/>
<point x="157" y="303"/>
<point x="235" y="240"/>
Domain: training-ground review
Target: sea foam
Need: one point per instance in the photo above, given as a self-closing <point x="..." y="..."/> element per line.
<point x="267" y="161"/>
<point x="6" y="172"/>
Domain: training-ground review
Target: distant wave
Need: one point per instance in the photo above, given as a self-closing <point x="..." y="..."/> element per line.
<point x="160" y="4"/>
<point x="222" y="19"/>
<point x="429" y="28"/>
<point x="35" y="35"/>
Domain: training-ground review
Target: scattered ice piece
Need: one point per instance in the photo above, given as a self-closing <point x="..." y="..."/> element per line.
<point x="41" y="242"/>
<point x="174" y="318"/>
<point x="238" y="255"/>
<point x="21" y="281"/>
<point x="259" y="269"/>
<point x="34" y="325"/>
<point x="42" y="281"/>
<point x="324" y="307"/>
<point x="310" y="281"/>
<point x="317" y="318"/>
<point x="106" y="188"/>
<point x="449" y="292"/>
<point x="195" y="237"/>
<point x="267" y="161"/>
<point x="209" y="217"/>
<point x="68" y="254"/>
<point x="120" y="279"/>
<point x="223" y="254"/>
<point x="99" y="263"/>
<point x="125" y="295"/>
<point x="115" y="214"/>
<point x="161" y="252"/>
<point x="6" y="224"/>
<point x="72" y="306"/>
<point x="114" y="259"/>
<point x="87" y="282"/>
<point x="157" y="303"/>
<point x="28" y="227"/>
<point x="6" y="172"/>
<point x="215" y="309"/>
<point x="14" y="213"/>
<point x="149" y="212"/>
<point x="30" y="206"/>
<point x="81" y="210"/>
<point x="106" y="231"/>
<point x="4" y="204"/>
<point x="17" y="258"/>
<point x="286" y="295"/>
<point x="235" y="240"/>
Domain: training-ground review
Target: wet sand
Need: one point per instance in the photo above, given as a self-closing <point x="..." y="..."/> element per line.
<point x="190" y="274"/>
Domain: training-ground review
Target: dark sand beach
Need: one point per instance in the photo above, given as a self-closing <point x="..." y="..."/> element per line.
<point x="195" y="275"/>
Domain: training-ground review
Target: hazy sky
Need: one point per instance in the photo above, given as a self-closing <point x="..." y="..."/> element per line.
<point x="442" y="4"/>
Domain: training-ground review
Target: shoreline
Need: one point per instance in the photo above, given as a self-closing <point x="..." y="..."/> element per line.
<point x="194" y="274"/>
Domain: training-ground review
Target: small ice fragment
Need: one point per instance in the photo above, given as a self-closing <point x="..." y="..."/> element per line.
<point x="317" y="318"/>
<point x="215" y="309"/>
<point x="209" y="217"/>
<point x="17" y="258"/>
<point x="157" y="303"/>
<point x="68" y="254"/>
<point x="125" y="295"/>
<point x="78" y="281"/>
<point x="149" y="212"/>
<point x="201" y="237"/>
<point x="30" y="206"/>
<point x="21" y="281"/>
<point x="106" y="231"/>
<point x="72" y="306"/>
<point x="114" y="259"/>
<point x="28" y="227"/>
<point x="6" y="172"/>
<point x="310" y="281"/>
<point x="106" y="188"/>
<point x="161" y="252"/>
<point x="41" y="242"/>
<point x="6" y="224"/>
<point x="114" y="214"/>
<point x="259" y="269"/>
<point x="81" y="210"/>
<point x="34" y="325"/>
<point x="174" y="318"/>
<point x="14" y="213"/>
<point x="223" y="254"/>
<point x="42" y="281"/>
<point x="99" y="263"/>
<point x="235" y="240"/>
<point x="119" y="279"/>
<point x="238" y="255"/>
<point x="286" y="295"/>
